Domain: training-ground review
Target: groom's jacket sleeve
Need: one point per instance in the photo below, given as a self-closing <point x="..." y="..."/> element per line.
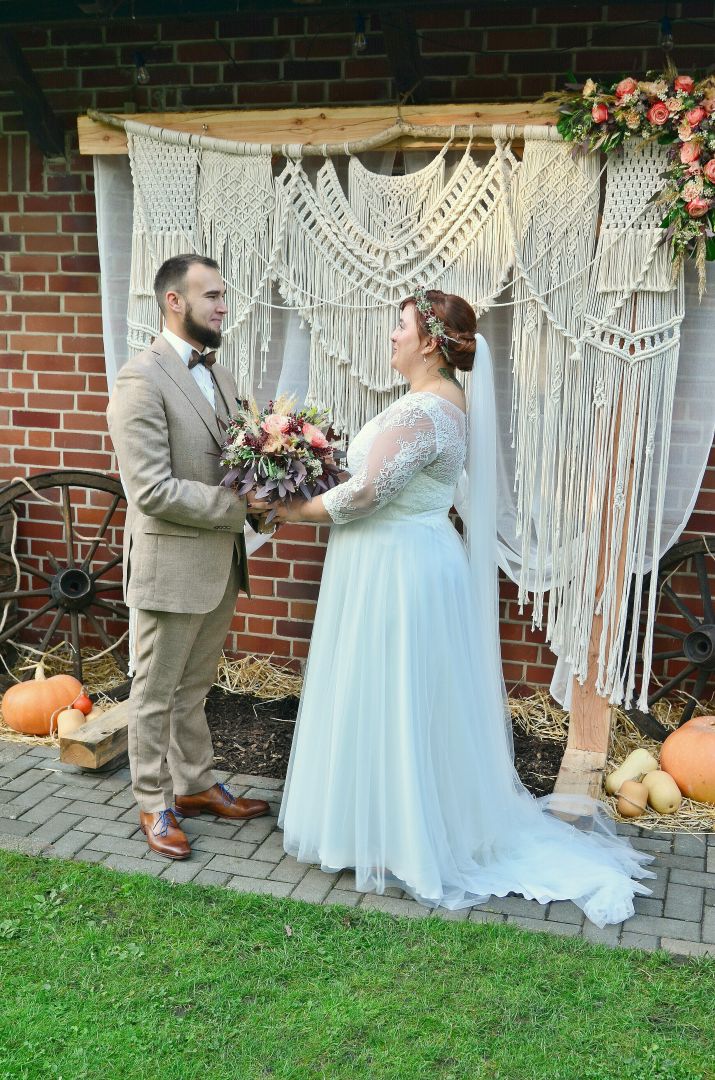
<point x="140" y="432"/>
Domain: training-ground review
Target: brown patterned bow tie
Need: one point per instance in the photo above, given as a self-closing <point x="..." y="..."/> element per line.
<point x="207" y="359"/>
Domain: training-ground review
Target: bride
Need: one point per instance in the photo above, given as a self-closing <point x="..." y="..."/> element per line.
<point x="402" y="762"/>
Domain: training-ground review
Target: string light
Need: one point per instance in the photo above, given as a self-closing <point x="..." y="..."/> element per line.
<point x="667" y="41"/>
<point x="359" y="41"/>
<point x="142" y="71"/>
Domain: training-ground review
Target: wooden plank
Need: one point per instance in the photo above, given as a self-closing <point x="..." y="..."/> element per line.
<point x="316" y="125"/>
<point x="98" y="742"/>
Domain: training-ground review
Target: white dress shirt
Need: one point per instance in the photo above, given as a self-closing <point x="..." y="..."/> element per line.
<point x="202" y="375"/>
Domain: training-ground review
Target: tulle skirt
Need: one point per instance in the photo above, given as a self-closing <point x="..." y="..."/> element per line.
<point x="398" y="771"/>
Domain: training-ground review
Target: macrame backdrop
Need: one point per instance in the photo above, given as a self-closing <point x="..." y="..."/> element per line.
<point x="594" y="338"/>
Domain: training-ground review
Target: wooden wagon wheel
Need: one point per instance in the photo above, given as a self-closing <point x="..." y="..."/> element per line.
<point x="686" y="618"/>
<point x="67" y="584"/>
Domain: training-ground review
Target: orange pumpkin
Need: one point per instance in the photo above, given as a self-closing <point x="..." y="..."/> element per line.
<point x="29" y="706"/>
<point x="689" y="756"/>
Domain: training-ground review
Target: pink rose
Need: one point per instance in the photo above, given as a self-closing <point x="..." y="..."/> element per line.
<point x="658" y="114"/>
<point x="709" y="170"/>
<point x="694" y="116"/>
<point x="689" y="152"/>
<point x="625" y="87"/>
<point x="684" y="83"/>
<point x="275" y="424"/>
<point x="600" y="113"/>
<point x="314" y="437"/>
<point x="698" y="207"/>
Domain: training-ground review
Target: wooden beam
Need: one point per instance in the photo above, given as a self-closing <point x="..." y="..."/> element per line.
<point x="315" y="126"/>
<point x="99" y="742"/>
<point x="43" y="126"/>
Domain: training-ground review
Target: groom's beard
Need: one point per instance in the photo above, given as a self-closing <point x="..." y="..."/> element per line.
<point x="196" y="332"/>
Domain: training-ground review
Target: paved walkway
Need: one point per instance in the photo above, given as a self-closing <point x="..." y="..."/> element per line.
<point x="57" y="810"/>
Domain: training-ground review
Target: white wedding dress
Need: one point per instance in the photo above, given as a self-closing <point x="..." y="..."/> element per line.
<point x="401" y="765"/>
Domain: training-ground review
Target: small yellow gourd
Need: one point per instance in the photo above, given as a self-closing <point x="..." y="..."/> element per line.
<point x="636" y="765"/>
<point x="69" y="721"/>
<point x="632" y="798"/>
<point x="663" y="792"/>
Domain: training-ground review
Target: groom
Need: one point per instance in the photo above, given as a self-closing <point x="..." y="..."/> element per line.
<point x="184" y="552"/>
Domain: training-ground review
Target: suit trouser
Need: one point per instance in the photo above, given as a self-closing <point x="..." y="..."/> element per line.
<point x="170" y="747"/>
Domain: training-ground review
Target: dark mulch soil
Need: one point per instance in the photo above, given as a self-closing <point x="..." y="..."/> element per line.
<point x="253" y="736"/>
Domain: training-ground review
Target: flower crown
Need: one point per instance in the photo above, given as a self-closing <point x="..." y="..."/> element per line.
<point x="434" y="324"/>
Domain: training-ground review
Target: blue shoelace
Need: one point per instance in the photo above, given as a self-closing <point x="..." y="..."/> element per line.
<point x="164" y="823"/>
<point x="227" y="796"/>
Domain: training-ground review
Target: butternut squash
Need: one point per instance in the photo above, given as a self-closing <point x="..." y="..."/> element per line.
<point x="636" y="765"/>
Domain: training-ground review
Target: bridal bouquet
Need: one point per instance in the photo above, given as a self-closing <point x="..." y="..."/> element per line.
<point x="279" y="453"/>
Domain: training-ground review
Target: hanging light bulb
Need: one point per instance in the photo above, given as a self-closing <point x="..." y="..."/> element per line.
<point x="359" y="41"/>
<point x="667" y="41"/>
<point x="142" y="72"/>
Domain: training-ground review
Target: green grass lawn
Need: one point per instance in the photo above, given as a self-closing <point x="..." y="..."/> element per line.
<point x="118" y="977"/>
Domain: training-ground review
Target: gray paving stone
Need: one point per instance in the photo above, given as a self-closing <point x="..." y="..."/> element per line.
<point x="689" y="844"/>
<point x="342" y="896"/>
<point x="687" y="948"/>
<point x="119" y="845"/>
<point x="6" y="796"/>
<point x="73" y="780"/>
<point x="89" y="855"/>
<point x="215" y="845"/>
<point x="710" y="865"/>
<point x="13" y="827"/>
<point x="683" y="862"/>
<point x="516" y="905"/>
<point x="51" y="752"/>
<point x="478" y="915"/>
<point x="658" y="834"/>
<point x="708" y="935"/>
<point x="314" y="887"/>
<point x="272" y="797"/>
<point x="649" y="843"/>
<point x="248" y="780"/>
<point x="25" y="845"/>
<point x="289" y="869"/>
<point x="59" y="767"/>
<point x="684" y="902"/>
<point x="624" y="828"/>
<point x="564" y="911"/>
<point x="659" y="927"/>
<point x="648" y="905"/>
<point x="14" y="768"/>
<point x="271" y="850"/>
<point x="45" y="810"/>
<point x="631" y="940"/>
<point x="10" y="750"/>
<point x="67" y="846"/>
<point x="85" y="794"/>
<point x="659" y="884"/>
<point x="257" y="885"/>
<point x="124" y="799"/>
<point x="210" y="877"/>
<point x="55" y="827"/>
<point x="200" y="826"/>
<point x="27" y="799"/>
<point x="97" y="825"/>
<point x="130" y="865"/>
<point x="601" y="935"/>
<point x="391" y="906"/>
<point x="180" y="871"/>
<point x="239" y="867"/>
<point x="461" y="915"/>
<point x="692" y="877"/>
<point x="100" y="810"/>
<point x="560" y="929"/>
<point x="25" y="780"/>
<point x="255" y="830"/>
<point x="346" y="880"/>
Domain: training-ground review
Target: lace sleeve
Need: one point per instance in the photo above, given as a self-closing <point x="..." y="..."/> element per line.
<point x="397" y="453"/>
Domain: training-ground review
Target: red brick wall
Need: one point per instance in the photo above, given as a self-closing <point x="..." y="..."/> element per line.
<point x="52" y="384"/>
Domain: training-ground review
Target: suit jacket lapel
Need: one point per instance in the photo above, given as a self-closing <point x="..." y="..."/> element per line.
<point x="225" y="397"/>
<point x="178" y="372"/>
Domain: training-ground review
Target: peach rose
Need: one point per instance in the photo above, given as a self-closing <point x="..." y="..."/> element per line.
<point x="694" y="116"/>
<point x="684" y="83"/>
<point x="314" y="436"/>
<point x="625" y="87"/>
<point x="689" y="152"/>
<point x="658" y="114"/>
<point x="698" y="207"/>
<point x="709" y="170"/>
<point x="275" y="424"/>
<point x="673" y="105"/>
<point x="600" y="113"/>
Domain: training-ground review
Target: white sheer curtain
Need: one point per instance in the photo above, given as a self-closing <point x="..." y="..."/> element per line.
<point x="693" y="422"/>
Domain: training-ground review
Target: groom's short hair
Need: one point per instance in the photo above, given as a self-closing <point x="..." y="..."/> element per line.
<point x="172" y="275"/>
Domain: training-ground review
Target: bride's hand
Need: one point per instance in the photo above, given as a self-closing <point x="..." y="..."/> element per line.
<point x="289" y="511"/>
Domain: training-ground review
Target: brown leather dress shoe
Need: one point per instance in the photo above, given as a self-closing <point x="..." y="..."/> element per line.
<point x="164" y="835"/>
<point x="218" y="800"/>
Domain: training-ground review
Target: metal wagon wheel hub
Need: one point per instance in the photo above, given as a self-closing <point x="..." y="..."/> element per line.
<point x="71" y="583"/>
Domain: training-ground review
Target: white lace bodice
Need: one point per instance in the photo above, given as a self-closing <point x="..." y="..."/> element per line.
<point x="406" y="460"/>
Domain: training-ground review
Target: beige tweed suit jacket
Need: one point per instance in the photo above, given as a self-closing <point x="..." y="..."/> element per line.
<point x="182" y="528"/>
